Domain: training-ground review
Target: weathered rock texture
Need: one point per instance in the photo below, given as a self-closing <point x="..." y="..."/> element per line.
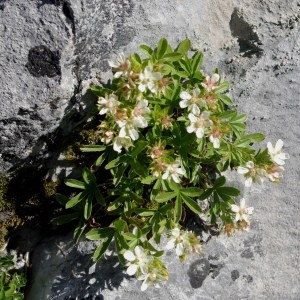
<point x="50" y="50"/>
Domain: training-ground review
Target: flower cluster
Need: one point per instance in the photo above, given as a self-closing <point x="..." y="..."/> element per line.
<point x="168" y="132"/>
<point x="184" y="243"/>
<point x="146" y="267"/>
<point x="242" y="216"/>
<point x="271" y="170"/>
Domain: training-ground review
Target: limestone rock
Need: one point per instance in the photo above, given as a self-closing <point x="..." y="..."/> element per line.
<point x="37" y="76"/>
<point x="256" y="46"/>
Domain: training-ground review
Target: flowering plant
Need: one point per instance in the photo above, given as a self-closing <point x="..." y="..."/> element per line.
<point x="167" y="133"/>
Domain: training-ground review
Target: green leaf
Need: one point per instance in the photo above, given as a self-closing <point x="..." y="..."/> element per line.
<point x="191" y="191"/>
<point x="113" y="163"/>
<point x="148" y="180"/>
<point x="92" y="148"/>
<point x="180" y="73"/>
<point x="165" y="196"/>
<point x="255" y="137"/>
<point x="138" y="148"/>
<point x="121" y="240"/>
<point x="223" y="87"/>
<point x="171" y="57"/>
<point x="138" y="168"/>
<point x="65" y="218"/>
<point x="207" y="193"/>
<point x="226" y="190"/>
<point x="174" y="186"/>
<point x="119" y="174"/>
<point x="88" y="207"/>
<point x="102" y="248"/>
<point x="146" y="50"/>
<point x="162" y="47"/>
<point x="191" y="204"/>
<point x="135" y="61"/>
<point x="184" y="46"/>
<point x="238" y="119"/>
<point x="88" y="176"/>
<point x="176" y="92"/>
<point x="75" y="200"/>
<point x="219" y="182"/>
<point x="100" y="91"/>
<point x="79" y="229"/>
<point x="120" y="225"/>
<point x="225" y="99"/>
<point x="99" y="198"/>
<point x="75" y="183"/>
<point x="155" y="189"/>
<point x="96" y="234"/>
<point x="185" y="65"/>
<point x="145" y="212"/>
<point x="178" y="209"/>
<point x="100" y="160"/>
<point x="61" y="199"/>
<point x="197" y="61"/>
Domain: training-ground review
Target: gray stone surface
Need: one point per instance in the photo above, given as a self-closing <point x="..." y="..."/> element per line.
<point x="255" y="44"/>
<point x="37" y="78"/>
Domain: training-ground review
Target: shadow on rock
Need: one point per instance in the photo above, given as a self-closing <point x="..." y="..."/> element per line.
<point x="65" y="270"/>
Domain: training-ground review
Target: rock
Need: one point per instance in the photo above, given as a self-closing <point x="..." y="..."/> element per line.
<point x="37" y="76"/>
<point x="256" y="45"/>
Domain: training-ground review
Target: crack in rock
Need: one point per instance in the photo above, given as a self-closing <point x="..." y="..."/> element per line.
<point x="247" y="38"/>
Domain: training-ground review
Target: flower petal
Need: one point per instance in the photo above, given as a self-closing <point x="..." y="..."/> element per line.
<point x="248" y="182"/>
<point x="128" y="255"/>
<point x="170" y="244"/>
<point x="200" y="133"/>
<point x="131" y="270"/>
<point x="190" y="129"/>
<point x="242" y="170"/>
<point x="279" y="145"/>
<point x="179" y="249"/>
<point x="184" y="103"/>
<point x="185" y="96"/>
<point x="145" y="285"/>
<point x="250" y="164"/>
<point x="195" y="110"/>
<point x="235" y="208"/>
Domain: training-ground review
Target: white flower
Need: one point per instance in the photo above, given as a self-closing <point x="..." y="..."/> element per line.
<point x="176" y="241"/>
<point x="138" y="261"/>
<point x="211" y="82"/>
<point x="121" y="65"/>
<point x="107" y="137"/>
<point x="155" y="277"/>
<point x="149" y="80"/>
<point x="252" y="173"/>
<point x="192" y="102"/>
<point x="276" y="154"/>
<point x="275" y="173"/>
<point x="184" y="242"/>
<point x="215" y="141"/>
<point x="242" y="213"/>
<point x="173" y="171"/>
<point x="199" y="123"/>
<point x="108" y="104"/>
<point x="139" y="112"/>
<point x="129" y="131"/>
<point x="120" y="142"/>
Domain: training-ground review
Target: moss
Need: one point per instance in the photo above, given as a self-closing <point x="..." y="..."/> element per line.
<point x="50" y="188"/>
<point x="27" y="199"/>
<point x="8" y="217"/>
